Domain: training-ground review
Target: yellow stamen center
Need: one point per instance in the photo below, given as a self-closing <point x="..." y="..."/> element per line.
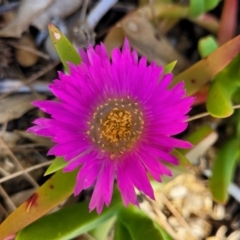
<point x="116" y="126"/>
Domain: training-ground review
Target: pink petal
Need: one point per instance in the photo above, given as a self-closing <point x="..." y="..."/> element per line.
<point x="126" y="45"/>
<point x="137" y="175"/>
<point x="104" y="187"/>
<point x="77" y="162"/>
<point x="166" y="141"/>
<point x="125" y="185"/>
<point x="87" y="175"/>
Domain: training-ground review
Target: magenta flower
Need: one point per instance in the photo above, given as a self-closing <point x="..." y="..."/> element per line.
<point x="115" y="119"/>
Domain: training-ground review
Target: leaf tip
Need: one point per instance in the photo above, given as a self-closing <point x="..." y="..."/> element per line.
<point x="32" y="201"/>
<point x="55" y="33"/>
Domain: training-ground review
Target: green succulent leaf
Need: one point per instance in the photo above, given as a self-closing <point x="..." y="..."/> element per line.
<point x="57" y="164"/>
<point x="219" y="102"/>
<point x="49" y="195"/>
<point x="66" y="51"/>
<point x="210" y="4"/>
<point x="221" y="91"/>
<point x="133" y="224"/>
<point x="207" y="45"/>
<point x="236" y="96"/>
<point x="223" y="170"/>
<point x="237" y="119"/>
<point x="69" y="222"/>
<point x="101" y="231"/>
<point x="196" y="8"/>
<point x="121" y="232"/>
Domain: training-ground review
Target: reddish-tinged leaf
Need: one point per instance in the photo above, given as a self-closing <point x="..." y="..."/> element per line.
<point x="228" y="21"/>
<point x="69" y="222"/>
<point x="201" y="96"/>
<point x="49" y="195"/>
<point x="204" y="70"/>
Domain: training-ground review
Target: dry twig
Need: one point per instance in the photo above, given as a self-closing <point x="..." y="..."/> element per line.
<point x="32" y="78"/>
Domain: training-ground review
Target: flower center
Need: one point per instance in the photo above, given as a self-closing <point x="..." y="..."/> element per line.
<point x="116" y="126"/>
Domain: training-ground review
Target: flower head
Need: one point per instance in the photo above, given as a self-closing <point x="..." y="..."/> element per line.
<point x="115" y="119"/>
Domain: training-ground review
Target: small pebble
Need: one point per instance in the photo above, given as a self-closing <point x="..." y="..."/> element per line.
<point x="178" y="192"/>
<point x="234" y="236"/>
<point x="173" y="221"/>
<point x="218" y="212"/>
<point x="208" y="203"/>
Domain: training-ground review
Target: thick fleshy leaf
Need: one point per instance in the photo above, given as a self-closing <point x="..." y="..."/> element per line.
<point x="132" y="224"/>
<point x="219" y="102"/>
<point x="69" y="222"/>
<point x="101" y="231"/>
<point x="207" y="45"/>
<point x="121" y="232"/>
<point x="57" y="164"/>
<point x="206" y="69"/>
<point x="237" y="122"/>
<point x="236" y="96"/>
<point x="49" y="195"/>
<point x="223" y="170"/>
<point x="196" y="8"/>
<point x="224" y="85"/>
<point x="66" y="51"/>
<point x="210" y="4"/>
